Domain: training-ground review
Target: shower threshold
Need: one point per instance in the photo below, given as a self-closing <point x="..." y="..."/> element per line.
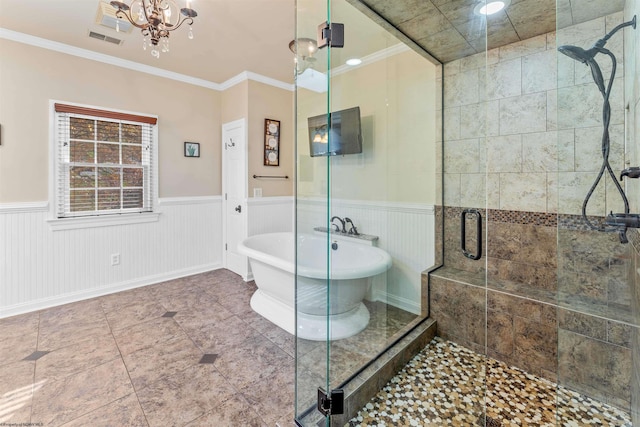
<point x="445" y="384"/>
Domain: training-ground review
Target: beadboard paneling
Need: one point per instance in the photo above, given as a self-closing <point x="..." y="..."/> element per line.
<point x="41" y="267"/>
<point x="270" y="214"/>
<point x="406" y="231"/>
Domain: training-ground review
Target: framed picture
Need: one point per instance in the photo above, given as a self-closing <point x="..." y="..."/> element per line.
<point x="271" y="142"/>
<point x="192" y="149"/>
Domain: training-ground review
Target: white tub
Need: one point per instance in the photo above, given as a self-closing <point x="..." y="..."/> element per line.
<point x="272" y="259"/>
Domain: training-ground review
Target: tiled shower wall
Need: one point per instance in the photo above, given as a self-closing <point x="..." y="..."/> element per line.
<point x="522" y="143"/>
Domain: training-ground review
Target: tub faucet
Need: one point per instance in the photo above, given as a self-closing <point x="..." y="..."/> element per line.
<point x="343" y="230"/>
<point x="353" y="229"/>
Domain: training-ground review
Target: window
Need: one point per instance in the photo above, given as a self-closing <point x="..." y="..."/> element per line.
<point x="104" y="162"/>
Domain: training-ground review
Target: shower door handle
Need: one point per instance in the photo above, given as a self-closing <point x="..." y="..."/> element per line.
<point x="463" y="233"/>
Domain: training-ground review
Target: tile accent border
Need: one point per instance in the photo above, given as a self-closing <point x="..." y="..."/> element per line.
<point x="562" y="221"/>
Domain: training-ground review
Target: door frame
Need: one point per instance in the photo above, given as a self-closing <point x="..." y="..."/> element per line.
<point x="241" y="123"/>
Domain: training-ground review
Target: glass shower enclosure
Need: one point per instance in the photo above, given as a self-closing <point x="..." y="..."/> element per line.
<point x="365" y="196"/>
<point x="502" y="149"/>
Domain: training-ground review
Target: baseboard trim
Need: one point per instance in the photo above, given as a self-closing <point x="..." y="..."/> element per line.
<point x="43" y="303"/>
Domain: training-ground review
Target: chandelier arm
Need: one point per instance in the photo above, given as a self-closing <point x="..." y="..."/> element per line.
<point x="119" y="14"/>
<point x="144" y="9"/>
<point x="182" y="22"/>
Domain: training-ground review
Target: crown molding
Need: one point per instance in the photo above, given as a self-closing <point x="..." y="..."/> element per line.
<point x="248" y="75"/>
<point x="159" y="72"/>
<point x="136" y="66"/>
<point x="374" y="57"/>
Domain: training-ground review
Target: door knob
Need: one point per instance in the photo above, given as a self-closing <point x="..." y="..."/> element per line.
<point x="238" y="208"/>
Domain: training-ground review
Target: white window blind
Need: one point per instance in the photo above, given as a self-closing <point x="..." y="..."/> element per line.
<point x="104" y="162"/>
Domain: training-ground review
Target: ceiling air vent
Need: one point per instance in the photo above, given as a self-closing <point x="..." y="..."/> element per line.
<point x="104" y="38"/>
<point x="106" y="16"/>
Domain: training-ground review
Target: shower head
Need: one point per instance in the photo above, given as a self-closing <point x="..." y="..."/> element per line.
<point x="585" y="56"/>
<point x="578" y="53"/>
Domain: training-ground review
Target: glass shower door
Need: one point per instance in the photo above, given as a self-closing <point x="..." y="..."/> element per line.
<point x="596" y="254"/>
<point x="312" y="213"/>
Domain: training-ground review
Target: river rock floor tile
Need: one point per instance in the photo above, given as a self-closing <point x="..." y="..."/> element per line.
<point x="448" y="385"/>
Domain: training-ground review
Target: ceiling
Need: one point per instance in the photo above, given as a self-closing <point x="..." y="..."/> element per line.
<point x="232" y="36"/>
<point x="449" y="29"/>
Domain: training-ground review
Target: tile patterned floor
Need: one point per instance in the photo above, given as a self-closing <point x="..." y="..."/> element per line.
<point x="443" y="385"/>
<point x="133" y="358"/>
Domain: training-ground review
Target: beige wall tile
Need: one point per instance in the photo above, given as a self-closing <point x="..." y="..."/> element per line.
<point x="522" y="114"/>
<point x="525" y="192"/>
<point x="540" y="152"/>
<point x="504" y="79"/>
<point x="462" y="156"/>
<point x="572" y="189"/>
<point x="539" y="72"/>
<point x="461" y="88"/>
<point x="525" y="47"/>
<point x="504" y="154"/>
<point x="588" y="148"/>
<point x="473" y="190"/>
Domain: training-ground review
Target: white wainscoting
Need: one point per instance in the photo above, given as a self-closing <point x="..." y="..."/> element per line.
<point x="405" y="230"/>
<point x="270" y="214"/>
<point x="40" y="267"/>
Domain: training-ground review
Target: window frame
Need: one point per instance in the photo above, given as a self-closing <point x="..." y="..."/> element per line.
<point x="97" y="219"/>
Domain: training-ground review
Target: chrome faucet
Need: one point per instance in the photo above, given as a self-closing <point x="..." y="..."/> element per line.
<point x="353" y="229"/>
<point x="343" y="230"/>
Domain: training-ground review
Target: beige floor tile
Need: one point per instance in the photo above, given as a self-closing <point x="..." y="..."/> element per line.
<point x="185" y="396"/>
<point x="150" y="364"/>
<point x="79" y="356"/>
<point x="16" y="392"/>
<point x="150" y="333"/>
<point x="251" y="361"/>
<point x="52" y="337"/>
<point x="16" y="347"/>
<point x="124" y="412"/>
<point x="221" y="336"/>
<point x="88" y="311"/>
<point x="279" y="387"/>
<point x="234" y="412"/>
<point x="135" y="312"/>
<point x="68" y="398"/>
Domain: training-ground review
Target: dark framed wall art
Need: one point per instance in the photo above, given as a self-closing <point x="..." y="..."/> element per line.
<point x="192" y="149"/>
<point x="271" y="142"/>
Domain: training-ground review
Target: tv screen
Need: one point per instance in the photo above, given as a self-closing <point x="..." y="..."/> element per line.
<point x="344" y="136"/>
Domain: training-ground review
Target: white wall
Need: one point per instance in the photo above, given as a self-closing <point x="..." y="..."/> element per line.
<point x="43" y="267"/>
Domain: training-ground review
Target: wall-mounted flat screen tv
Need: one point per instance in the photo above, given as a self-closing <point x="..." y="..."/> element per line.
<point x="344" y="136"/>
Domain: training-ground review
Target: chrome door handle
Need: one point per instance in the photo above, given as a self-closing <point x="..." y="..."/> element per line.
<point x="238" y="209"/>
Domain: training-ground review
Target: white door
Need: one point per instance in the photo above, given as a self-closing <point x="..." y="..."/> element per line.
<point x="234" y="190"/>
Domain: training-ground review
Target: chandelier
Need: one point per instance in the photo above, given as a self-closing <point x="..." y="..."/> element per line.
<point x="156" y="19"/>
<point x="304" y="48"/>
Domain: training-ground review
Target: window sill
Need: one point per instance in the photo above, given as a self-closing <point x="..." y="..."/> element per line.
<point x="102" y="221"/>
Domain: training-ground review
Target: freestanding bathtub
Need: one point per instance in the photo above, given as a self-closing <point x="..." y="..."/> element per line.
<point x="350" y="266"/>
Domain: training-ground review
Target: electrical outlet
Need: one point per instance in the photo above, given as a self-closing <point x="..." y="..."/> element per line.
<point x="257" y="192"/>
<point x="115" y="259"/>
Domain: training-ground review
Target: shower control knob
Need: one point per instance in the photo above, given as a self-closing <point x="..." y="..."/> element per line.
<point x="633" y="172"/>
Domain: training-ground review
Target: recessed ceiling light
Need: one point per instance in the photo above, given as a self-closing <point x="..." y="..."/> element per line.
<point x="490" y="7"/>
<point x="354" y="61"/>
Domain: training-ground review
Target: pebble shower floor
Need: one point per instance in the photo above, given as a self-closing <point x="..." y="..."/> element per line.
<point x="443" y="385"/>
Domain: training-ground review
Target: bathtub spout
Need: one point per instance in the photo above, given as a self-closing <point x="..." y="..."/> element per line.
<point x="353" y="229"/>
<point x="344" y="229"/>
